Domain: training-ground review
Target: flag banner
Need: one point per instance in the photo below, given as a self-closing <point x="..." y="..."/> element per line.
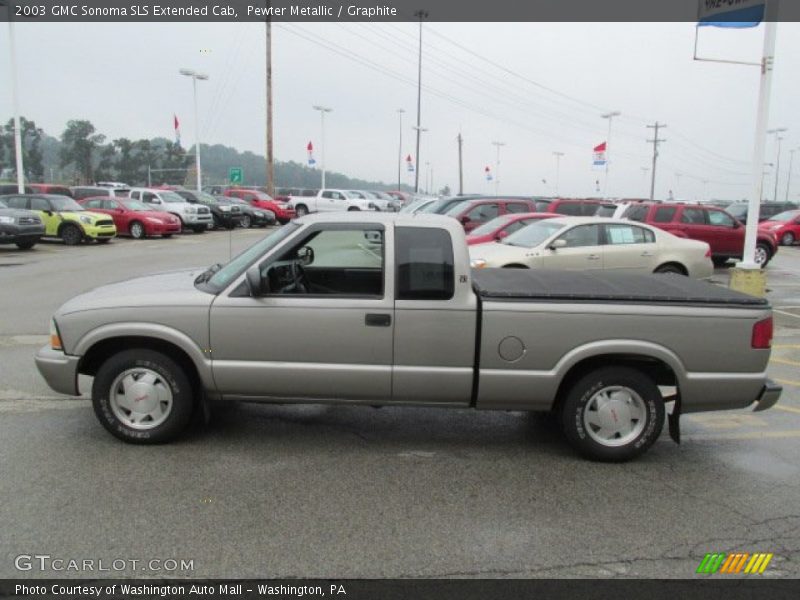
<point x="488" y="172"/>
<point x="600" y="156"/>
<point x="409" y="164"/>
<point x="176" y="124"/>
<point x="311" y="160"/>
<point x="730" y="13"/>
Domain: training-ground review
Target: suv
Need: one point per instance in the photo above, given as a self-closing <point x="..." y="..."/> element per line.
<point x="708" y="224"/>
<point x="766" y="210"/>
<point x="50" y="188"/>
<point x="474" y="213"/>
<point x="572" y="207"/>
<point x="20" y="227"/>
<point x="92" y="191"/>
<point x="283" y="211"/>
<point x="195" y="217"/>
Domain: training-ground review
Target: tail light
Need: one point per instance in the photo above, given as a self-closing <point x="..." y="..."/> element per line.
<point x="762" y="335"/>
<point x="708" y="252"/>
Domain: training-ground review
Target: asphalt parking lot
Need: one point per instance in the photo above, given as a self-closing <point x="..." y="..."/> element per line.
<point x="278" y="491"/>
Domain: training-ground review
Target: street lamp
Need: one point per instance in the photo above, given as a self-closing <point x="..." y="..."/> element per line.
<point x="15" y="107"/>
<point x="322" y="110"/>
<point x="400" y="112"/>
<point x="420" y="131"/>
<point x="610" y="116"/>
<point x="497" y="145"/>
<point x="558" y="156"/>
<point x="202" y="77"/>
<point x="777" y="133"/>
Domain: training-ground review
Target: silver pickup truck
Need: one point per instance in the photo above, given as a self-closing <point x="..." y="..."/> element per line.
<point x="375" y="309"/>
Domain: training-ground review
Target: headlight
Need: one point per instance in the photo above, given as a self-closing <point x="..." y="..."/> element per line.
<point x="191" y="209"/>
<point x="55" y="337"/>
<point x="258" y="213"/>
<point x="85" y="219"/>
<point x="477" y="263"/>
<point x="8" y="220"/>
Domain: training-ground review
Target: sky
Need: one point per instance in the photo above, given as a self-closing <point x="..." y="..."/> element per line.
<point x="538" y="88"/>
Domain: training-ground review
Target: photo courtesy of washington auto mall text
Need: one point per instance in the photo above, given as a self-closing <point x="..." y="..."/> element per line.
<point x="399" y="299"/>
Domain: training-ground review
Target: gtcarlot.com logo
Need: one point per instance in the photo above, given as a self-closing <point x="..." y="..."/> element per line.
<point x="737" y="563"/>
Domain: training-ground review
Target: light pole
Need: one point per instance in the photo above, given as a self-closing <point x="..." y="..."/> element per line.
<point x="610" y="116"/>
<point x="497" y="145"/>
<point x="558" y="156"/>
<point x="777" y="133"/>
<point x="322" y="110"/>
<point x="15" y="106"/>
<point x="764" y="173"/>
<point x="420" y="14"/>
<point x="420" y="131"/>
<point x="788" y="179"/>
<point x="400" y="112"/>
<point x="202" y="77"/>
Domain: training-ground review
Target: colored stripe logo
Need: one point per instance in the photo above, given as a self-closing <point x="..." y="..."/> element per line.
<point x="734" y="563"/>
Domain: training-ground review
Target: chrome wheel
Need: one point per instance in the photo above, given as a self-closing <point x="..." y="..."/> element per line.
<point x="761" y="256"/>
<point x="614" y="416"/>
<point x="137" y="230"/>
<point x="788" y="239"/>
<point x="301" y="210"/>
<point x="246" y="222"/>
<point x="140" y="398"/>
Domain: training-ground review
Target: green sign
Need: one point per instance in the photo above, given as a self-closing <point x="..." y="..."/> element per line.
<point x="236" y="175"/>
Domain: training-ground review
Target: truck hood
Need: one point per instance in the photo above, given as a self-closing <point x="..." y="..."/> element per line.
<point x="170" y="289"/>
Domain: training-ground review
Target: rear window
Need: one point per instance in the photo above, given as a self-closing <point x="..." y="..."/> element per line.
<point x="425" y="265"/>
<point x="573" y="209"/>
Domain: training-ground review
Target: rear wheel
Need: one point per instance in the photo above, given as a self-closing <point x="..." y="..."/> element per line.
<point x="787" y="239"/>
<point x="72" y="235"/>
<point x="142" y="396"/>
<point x="301" y="210"/>
<point x="720" y="261"/>
<point x="613" y="414"/>
<point x="671" y="268"/>
<point x="246" y="222"/>
<point x="353" y="208"/>
<point x="27" y="244"/>
<point x="137" y="230"/>
<point x="166" y="235"/>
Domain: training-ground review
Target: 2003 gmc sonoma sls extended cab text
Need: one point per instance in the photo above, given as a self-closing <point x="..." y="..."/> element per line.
<point x="384" y="310"/>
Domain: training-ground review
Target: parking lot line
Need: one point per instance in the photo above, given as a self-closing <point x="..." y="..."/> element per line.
<point x="787" y="408"/>
<point x="784" y="361"/>
<point x="752" y="435"/>
<point x="788" y="314"/>
<point x="788" y="382"/>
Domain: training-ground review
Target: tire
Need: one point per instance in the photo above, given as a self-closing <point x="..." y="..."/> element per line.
<point x="27" y="244"/>
<point x="301" y="210"/>
<point x="670" y="268"/>
<point x="246" y="222"/>
<point x="763" y="254"/>
<point x="515" y="266"/>
<point x="166" y="235"/>
<point x="153" y="379"/>
<point x="610" y="398"/>
<point x="720" y="261"/>
<point x="137" y="230"/>
<point x="199" y="228"/>
<point x="103" y="240"/>
<point x="71" y="234"/>
<point x="353" y="209"/>
<point x="787" y="239"/>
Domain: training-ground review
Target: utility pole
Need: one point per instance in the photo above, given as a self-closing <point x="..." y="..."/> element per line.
<point x="270" y="155"/>
<point x="202" y="77"/>
<point x="421" y="14"/>
<point x="497" y="145"/>
<point x="610" y="116"/>
<point x="322" y="110"/>
<point x="400" y="112"/>
<point x="777" y="133"/>
<point x="655" y="141"/>
<point x="558" y="156"/>
<point x="15" y="107"/>
<point x="461" y="167"/>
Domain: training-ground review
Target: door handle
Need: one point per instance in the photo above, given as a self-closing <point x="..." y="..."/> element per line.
<point x="647" y="254"/>
<point x="593" y="257"/>
<point x="377" y="320"/>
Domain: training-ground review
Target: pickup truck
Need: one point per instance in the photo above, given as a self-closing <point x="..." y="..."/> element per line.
<point x="376" y="309"/>
<point x="330" y="201"/>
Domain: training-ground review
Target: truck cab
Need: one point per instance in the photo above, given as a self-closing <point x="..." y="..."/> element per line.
<point x="330" y="200"/>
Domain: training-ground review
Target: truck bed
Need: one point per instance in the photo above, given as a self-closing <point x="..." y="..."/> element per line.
<point x="509" y="285"/>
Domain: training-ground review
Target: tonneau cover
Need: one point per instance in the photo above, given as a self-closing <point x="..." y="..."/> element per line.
<point x="584" y="286"/>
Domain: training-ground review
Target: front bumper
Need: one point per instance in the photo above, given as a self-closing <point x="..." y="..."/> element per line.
<point x="769" y="396"/>
<point x="11" y="234"/>
<point x="196" y="219"/>
<point x="59" y="370"/>
<point x="99" y="231"/>
<point x="162" y="228"/>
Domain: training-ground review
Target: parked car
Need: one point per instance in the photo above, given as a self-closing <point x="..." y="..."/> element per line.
<point x="251" y="216"/>
<point x="330" y="200"/>
<point x="503" y="226"/>
<point x="475" y="212"/>
<point x="225" y="215"/>
<point x="392" y="204"/>
<point x="133" y="217"/>
<point x="766" y="210"/>
<point x="283" y="211"/>
<point x="192" y="216"/>
<point x="21" y="227"/>
<point x="90" y="191"/>
<point x="376" y="200"/>
<point x="708" y="224"/>
<point x="411" y="324"/>
<point x="64" y="218"/>
<point x="50" y="188"/>
<point x="418" y="205"/>
<point x="440" y="206"/>
<point x="572" y="207"/>
<point x="785" y="226"/>
<point x="11" y="188"/>
<point x="592" y="243"/>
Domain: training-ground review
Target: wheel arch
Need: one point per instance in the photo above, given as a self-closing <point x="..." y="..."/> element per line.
<point x="672" y="263"/>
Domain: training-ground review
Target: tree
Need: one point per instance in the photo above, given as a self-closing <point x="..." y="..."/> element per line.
<point x="31" y="148"/>
<point x="123" y="165"/>
<point x="78" y="143"/>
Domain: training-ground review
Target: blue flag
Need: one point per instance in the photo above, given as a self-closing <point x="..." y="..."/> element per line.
<point x="720" y="13"/>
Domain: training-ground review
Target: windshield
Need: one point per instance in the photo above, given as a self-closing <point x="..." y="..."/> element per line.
<point x="64" y="203"/>
<point x="205" y="198"/>
<point x="492" y="226"/>
<point x="783" y="217"/>
<point x="737" y="210"/>
<point x="170" y="197"/>
<point x="534" y="234"/>
<point x="3" y="204"/>
<point x="136" y="206"/>
<point x="234" y="268"/>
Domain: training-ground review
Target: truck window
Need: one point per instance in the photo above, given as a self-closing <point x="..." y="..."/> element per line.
<point x="425" y="265"/>
<point x="664" y="214"/>
<point x="637" y="212"/>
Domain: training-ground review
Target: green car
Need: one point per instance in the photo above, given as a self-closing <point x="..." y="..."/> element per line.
<point x="64" y="218"/>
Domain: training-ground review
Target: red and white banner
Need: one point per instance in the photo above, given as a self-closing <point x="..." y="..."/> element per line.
<point x="600" y="155"/>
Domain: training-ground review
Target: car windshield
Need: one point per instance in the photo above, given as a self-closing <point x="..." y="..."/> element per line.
<point x="136" y="206"/>
<point x="783" y="217"/>
<point x="235" y="267"/>
<point x="534" y="234"/>
<point x="3" y="204"/>
<point x="205" y="198"/>
<point x="170" y="197"/>
<point x="737" y="210"/>
<point x="492" y="226"/>
<point x="63" y="203"/>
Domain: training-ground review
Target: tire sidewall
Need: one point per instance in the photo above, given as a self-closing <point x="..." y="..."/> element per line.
<point x="133" y="228"/>
<point x="74" y="241"/>
<point x="787" y="239"/>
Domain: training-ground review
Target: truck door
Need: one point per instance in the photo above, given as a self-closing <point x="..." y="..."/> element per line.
<point x="435" y="318"/>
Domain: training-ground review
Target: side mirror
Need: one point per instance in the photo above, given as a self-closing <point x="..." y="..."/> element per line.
<point x="736" y="224"/>
<point x="258" y="286"/>
<point x="562" y="243"/>
<point x="305" y="255"/>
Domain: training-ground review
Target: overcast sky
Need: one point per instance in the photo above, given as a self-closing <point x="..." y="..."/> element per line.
<point x="539" y="88"/>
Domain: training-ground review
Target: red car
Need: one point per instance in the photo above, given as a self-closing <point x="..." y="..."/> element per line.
<point x="496" y="229"/>
<point x="283" y="211"/>
<point x="475" y="212"/>
<point x="50" y="188"/>
<point x="784" y="226"/>
<point x="708" y="224"/>
<point x="133" y="217"/>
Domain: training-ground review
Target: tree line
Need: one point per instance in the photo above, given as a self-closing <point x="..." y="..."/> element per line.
<point x="82" y="155"/>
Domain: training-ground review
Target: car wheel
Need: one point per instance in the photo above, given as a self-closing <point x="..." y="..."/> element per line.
<point x="353" y="208"/>
<point x="200" y="228"/>
<point x="27" y="244"/>
<point x="671" y="268"/>
<point x="247" y="223"/>
<point x="763" y="255"/>
<point x="787" y="239"/>
<point x="514" y="266"/>
<point x="166" y="235"/>
<point x="613" y="414"/>
<point x="142" y="396"/>
<point x="720" y="261"/>
<point x="103" y="240"/>
<point x="137" y="230"/>
<point x="72" y="235"/>
<point x="301" y="210"/>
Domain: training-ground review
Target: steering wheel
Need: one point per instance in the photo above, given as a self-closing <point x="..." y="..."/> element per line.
<point x="299" y="284"/>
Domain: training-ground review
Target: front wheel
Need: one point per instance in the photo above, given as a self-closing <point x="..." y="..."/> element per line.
<point x="103" y="240"/>
<point x="72" y="235"/>
<point x="137" y="230"/>
<point x="763" y="255"/>
<point x="199" y="228"/>
<point x="301" y="210"/>
<point x="613" y="414"/>
<point x="787" y="239"/>
<point x="246" y="222"/>
<point x="143" y="397"/>
<point x="353" y="208"/>
<point x="27" y="244"/>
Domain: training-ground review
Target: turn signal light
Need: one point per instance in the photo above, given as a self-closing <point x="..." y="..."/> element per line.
<point x="762" y="335"/>
<point x="55" y="338"/>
